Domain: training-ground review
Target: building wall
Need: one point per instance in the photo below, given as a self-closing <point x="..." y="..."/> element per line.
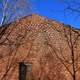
<point x="42" y="42"/>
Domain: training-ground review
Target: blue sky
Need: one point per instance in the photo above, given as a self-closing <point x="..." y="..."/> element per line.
<point x="54" y="9"/>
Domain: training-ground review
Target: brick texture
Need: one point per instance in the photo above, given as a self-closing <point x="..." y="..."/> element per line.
<point x="43" y="42"/>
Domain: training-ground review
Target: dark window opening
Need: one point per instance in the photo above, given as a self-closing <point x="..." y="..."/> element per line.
<point x="24" y="69"/>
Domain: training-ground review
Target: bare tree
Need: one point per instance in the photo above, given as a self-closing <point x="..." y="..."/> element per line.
<point x="12" y="46"/>
<point x="71" y="58"/>
<point x="12" y="10"/>
<point x="67" y="50"/>
<point x="72" y="7"/>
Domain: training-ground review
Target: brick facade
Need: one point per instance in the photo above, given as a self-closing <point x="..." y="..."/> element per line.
<point x="43" y="42"/>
